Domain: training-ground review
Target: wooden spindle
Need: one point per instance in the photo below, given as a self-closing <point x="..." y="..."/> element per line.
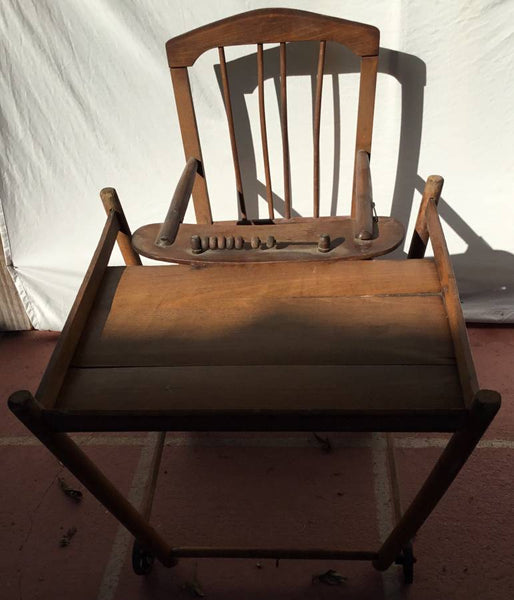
<point x="191" y="141"/>
<point x="264" y="135"/>
<point x="368" y="81"/>
<point x="233" y="143"/>
<point x="285" y="136"/>
<point x="317" y="121"/>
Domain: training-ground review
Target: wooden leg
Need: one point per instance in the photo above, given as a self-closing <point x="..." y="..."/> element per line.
<point x="485" y="405"/>
<point x="28" y="411"/>
<point x="111" y="201"/>
<point x="419" y="241"/>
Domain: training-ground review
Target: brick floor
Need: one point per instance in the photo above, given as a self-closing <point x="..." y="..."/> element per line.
<point x="276" y="489"/>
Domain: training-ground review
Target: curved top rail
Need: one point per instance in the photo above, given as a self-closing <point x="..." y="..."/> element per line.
<point x="272" y="25"/>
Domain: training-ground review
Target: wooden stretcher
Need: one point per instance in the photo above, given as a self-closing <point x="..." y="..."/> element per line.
<point x="264" y="337"/>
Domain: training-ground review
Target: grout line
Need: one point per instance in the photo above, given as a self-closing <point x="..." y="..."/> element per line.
<point x="382" y="487"/>
<point x="123" y="538"/>
<point x="253" y="442"/>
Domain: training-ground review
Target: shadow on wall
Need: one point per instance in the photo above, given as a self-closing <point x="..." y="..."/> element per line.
<point x="485" y="275"/>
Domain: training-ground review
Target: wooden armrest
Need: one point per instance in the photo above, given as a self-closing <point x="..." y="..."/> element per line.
<point x="364" y="198"/>
<point x="178" y="206"/>
<point x="432" y="191"/>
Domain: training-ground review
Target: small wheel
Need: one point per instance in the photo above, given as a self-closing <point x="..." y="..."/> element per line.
<point x="142" y="560"/>
<point x="407" y="560"/>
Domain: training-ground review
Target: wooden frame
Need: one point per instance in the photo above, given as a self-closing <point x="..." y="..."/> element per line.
<point x="133" y="330"/>
<point x="275" y="239"/>
<point x="48" y="420"/>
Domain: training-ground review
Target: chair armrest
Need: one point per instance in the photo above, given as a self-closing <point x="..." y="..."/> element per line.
<point x="364" y="198"/>
<point x="178" y="206"/>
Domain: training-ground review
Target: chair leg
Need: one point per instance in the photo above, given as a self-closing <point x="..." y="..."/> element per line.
<point x="462" y="443"/>
<point x="28" y="411"/>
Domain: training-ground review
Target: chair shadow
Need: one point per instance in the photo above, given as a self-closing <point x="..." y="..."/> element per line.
<point x="485" y="275"/>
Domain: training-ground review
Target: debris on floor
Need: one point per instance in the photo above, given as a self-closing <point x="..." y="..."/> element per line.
<point x="67" y="537"/>
<point x="75" y="495"/>
<point x="324" y="443"/>
<point x="330" y="577"/>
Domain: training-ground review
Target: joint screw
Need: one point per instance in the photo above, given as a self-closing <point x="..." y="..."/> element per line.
<point x="204" y="242"/>
<point x="229" y="242"/>
<point x="213" y="242"/>
<point x="270" y="242"/>
<point x="221" y="242"/>
<point x="239" y="242"/>
<point x="324" y="242"/>
<point x="256" y="242"/>
<point x="196" y="244"/>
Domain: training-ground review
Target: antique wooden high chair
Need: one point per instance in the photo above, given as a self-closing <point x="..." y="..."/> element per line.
<point x="281" y="330"/>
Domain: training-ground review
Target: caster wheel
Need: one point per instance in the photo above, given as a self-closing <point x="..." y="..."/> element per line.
<point x="407" y="560"/>
<point x="142" y="560"/>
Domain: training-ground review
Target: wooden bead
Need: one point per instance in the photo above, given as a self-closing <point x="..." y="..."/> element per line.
<point x="213" y="242"/>
<point x="196" y="244"/>
<point x="229" y="242"/>
<point x="204" y="242"/>
<point x="324" y="243"/>
<point x="239" y="242"/>
<point x="270" y="242"/>
<point x="221" y="242"/>
<point x="255" y="242"/>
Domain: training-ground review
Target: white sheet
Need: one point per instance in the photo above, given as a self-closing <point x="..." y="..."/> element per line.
<point x="87" y="103"/>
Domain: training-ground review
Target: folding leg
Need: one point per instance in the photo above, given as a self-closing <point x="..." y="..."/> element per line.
<point x="28" y="411"/>
<point x="485" y="405"/>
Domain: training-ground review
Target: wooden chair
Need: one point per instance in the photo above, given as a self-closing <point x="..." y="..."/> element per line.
<point x="285" y="344"/>
<point x="272" y="239"/>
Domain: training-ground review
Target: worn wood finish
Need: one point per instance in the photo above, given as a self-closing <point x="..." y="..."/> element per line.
<point x="363" y="197"/>
<point x="323" y="280"/>
<point x="110" y="202"/>
<point x="432" y="190"/>
<point x="191" y="141"/>
<point x="243" y="390"/>
<point x="264" y="134"/>
<point x="284" y="130"/>
<point x="452" y="303"/>
<point x="297" y="240"/>
<point x="177" y="210"/>
<point x="73" y="328"/>
<point x="317" y="122"/>
<point x="368" y="82"/>
<point x="271" y="25"/>
<point x="157" y="327"/>
<point x="232" y="133"/>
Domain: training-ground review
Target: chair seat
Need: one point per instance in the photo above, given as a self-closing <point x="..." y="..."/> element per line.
<point x="266" y="346"/>
<point x="297" y="239"/>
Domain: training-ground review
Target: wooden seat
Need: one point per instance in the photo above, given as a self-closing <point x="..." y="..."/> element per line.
<point x="278" y="237"/>
<point x="193" y="345"/>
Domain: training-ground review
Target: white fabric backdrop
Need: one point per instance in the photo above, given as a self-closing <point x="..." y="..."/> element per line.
<point x="87" y="103"/>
